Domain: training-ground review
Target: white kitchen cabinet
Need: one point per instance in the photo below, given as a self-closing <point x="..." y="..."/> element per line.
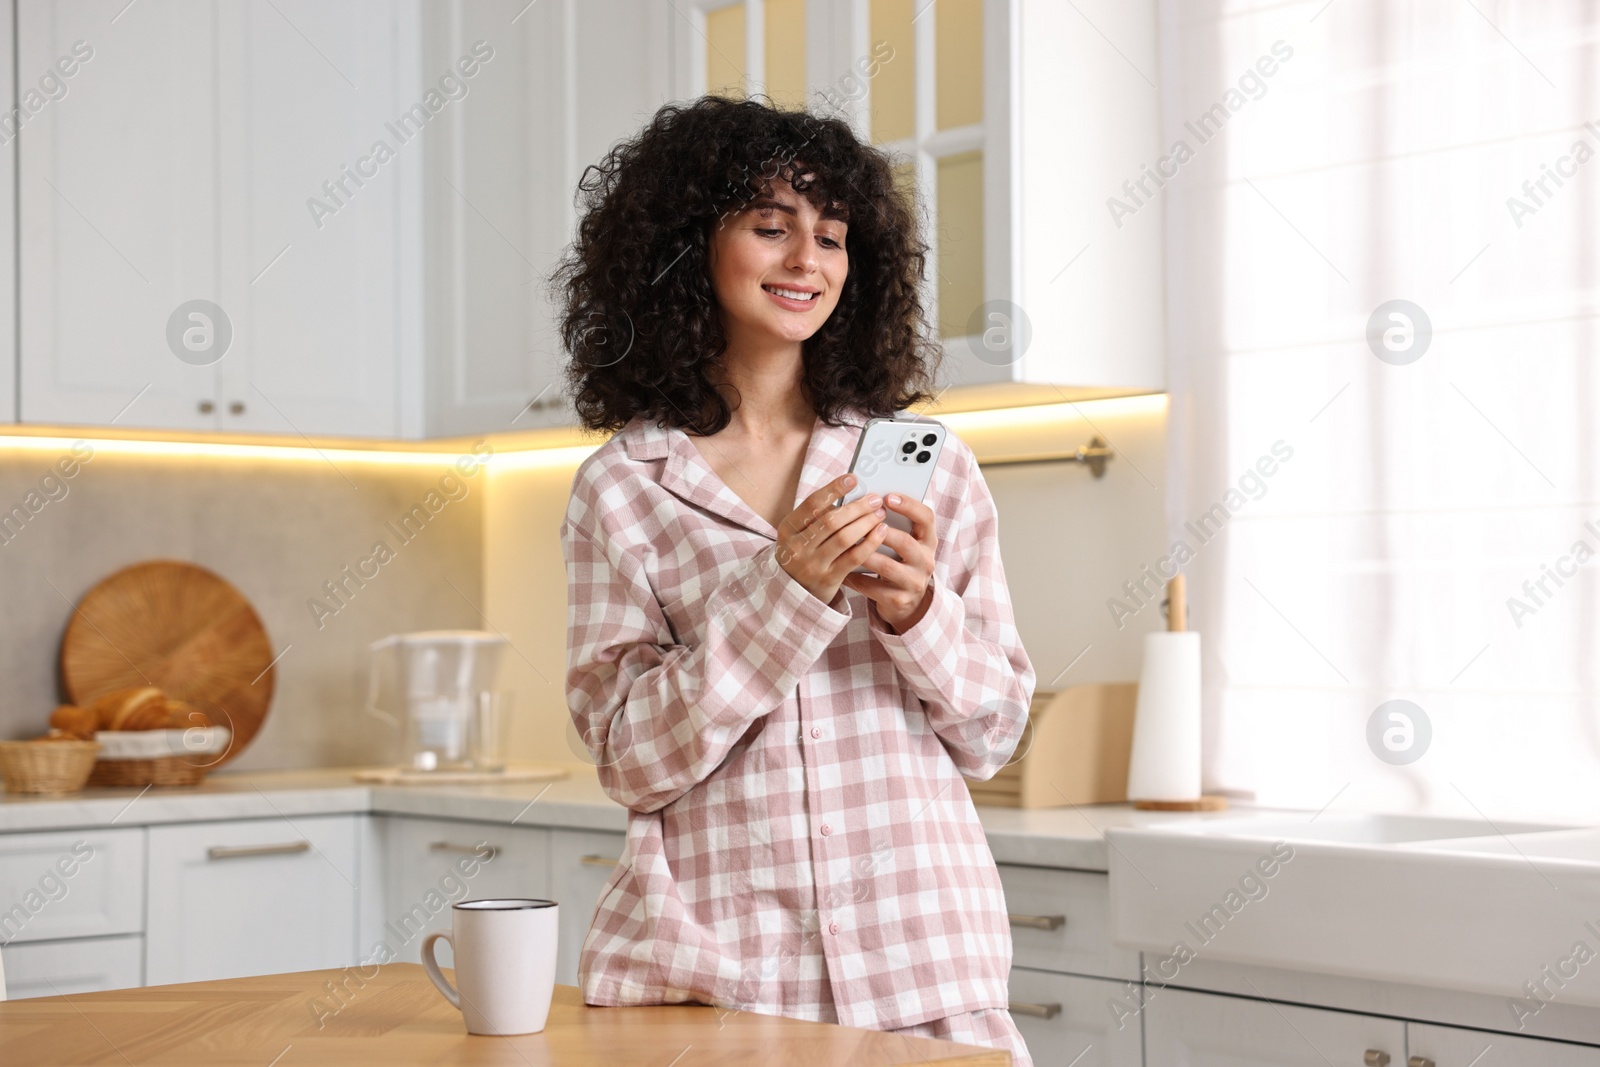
<point x="223" y="122"/>
<point x="83" y="965"/>
<point x="8" y="219"/>
<point x="1024" y="244"/>
<point x="87" y="883"/>
<point x="1065" y="1020"/>
<point x="109" y="250"/>
<point x="1060" y="921"/>
<point x="566" y="82"/>
<point x="1447" y="1046"/>
<point x="370" y="292"/>
<point x="1093" y="290"/>
<point x="581" y="862"/>
<point x="430" y="864"/>
<point x="320" y="241"/>
<point x="1185" y="1029"/>
<point x="257" y="896"/>
<point x="401" y="292"/>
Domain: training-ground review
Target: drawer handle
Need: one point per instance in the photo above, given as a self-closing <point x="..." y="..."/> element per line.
<point x="239" y="852"/>
<point x="1037" y="1011"/>
<point x="1376" y="1058"/>
<point x="1039" y="922"/>
<point x="1419" y="1061"/>
<point x="471" y="850"/>
<point x="599" y="861"/>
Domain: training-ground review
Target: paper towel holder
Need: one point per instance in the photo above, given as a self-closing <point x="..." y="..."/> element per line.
<point x="1176" y="608"/>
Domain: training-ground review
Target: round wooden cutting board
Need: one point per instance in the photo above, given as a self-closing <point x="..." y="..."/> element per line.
<point x="180" y="628"/>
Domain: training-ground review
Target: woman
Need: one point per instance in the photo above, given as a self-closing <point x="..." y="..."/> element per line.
<point x="789" y="737"/>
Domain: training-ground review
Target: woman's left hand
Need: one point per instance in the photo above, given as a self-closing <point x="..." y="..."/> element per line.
<point x="901" y="590"/>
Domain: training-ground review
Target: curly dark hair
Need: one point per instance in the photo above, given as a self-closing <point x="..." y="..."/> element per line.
<point x="639" y="318"/>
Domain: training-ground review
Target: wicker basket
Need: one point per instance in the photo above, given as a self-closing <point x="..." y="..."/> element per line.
<point x="46" y="766"/>
<point x="158" y="757"/>
<point x="168" y="770"/>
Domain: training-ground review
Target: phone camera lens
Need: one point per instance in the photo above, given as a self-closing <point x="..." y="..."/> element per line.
<point x="923" y="457"/>
<point x="909" y="447"/>
<point x="929" y="438"/>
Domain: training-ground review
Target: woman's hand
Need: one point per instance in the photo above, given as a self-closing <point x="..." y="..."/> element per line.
<point x="819" y="544"/>
<point x="901" y="589"/>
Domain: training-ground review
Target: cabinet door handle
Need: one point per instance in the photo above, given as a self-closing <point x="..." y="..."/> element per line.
<point x="207" y="407"/>
<point x="472" y="850"/>
<point x="239" y="852"/>
<point x="236" y="407"/>
<point x="1419" y="1061"/>
<point x="599" y="861"/>
<point x="1039" y="922"/>
<point x="1376" y="1058"/>
<point x="1037" y="1011"/>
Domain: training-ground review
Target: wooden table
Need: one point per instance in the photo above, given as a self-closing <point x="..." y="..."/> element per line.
<point x="397" y="1018"/>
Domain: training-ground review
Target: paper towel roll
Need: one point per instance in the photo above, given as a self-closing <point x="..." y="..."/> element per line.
<point x="1165" y="761"/>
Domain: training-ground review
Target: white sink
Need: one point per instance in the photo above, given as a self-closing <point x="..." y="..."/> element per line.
<point x="1451" y="903"/>
<point x="1351" y="828"/>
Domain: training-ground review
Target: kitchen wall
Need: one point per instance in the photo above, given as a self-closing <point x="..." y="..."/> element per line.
<point x="277" y="529"/>
<point x="1067" y="539"/>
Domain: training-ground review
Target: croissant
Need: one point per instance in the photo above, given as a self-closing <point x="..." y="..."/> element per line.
<point x="136" y="708"/>
<point x="81" y="723"/>
<point x="182" y="715"/>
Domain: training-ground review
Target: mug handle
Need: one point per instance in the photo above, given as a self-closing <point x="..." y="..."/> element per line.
<point x="431" y="965"/>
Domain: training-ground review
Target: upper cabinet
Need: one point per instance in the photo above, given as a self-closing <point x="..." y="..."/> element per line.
<point x="199" y="247"/>
<point x="1036" y="288"/>
<point x="1016" y="121"/>
<point x="1085" y="128"/>
<point x="565" y="83"/>
<point x="8" y="220"/>
<point x="285" y="216"/>
<point x="310" y="219"/>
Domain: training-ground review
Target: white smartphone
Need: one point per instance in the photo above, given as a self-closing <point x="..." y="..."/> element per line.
<point x="894" y="456"/>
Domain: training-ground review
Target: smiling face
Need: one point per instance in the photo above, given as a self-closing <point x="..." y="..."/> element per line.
<point x="777" y="267"/>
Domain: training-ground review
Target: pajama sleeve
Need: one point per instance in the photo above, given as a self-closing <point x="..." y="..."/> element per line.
<point x="964" y="657"/>
<point x="656" y="715"/>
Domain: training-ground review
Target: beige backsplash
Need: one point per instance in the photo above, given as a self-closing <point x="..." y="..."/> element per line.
<point x="277" y="529"/>
<point x="280" y="529"/>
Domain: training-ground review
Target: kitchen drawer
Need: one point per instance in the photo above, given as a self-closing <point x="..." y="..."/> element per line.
<point x="1185" y="1029"/>
<point x="1065" y="1020"/>
<point x="1448" y="1046"/>
<point x="249" y="897"/>
<point x="87" y="883"/>
<point x="581" y="862"/>
<point x="46" y="968"/>
<point x="430" y="864"/>
<point x="1061" y="921"/>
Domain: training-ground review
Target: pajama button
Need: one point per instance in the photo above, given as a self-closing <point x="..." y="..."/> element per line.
<point x="826" y="829"/>
<point x="833" y="928"/>
<point x="816" y="731"/>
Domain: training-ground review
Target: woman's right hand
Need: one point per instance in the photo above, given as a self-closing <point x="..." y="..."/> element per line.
<point x="818" y="543"/>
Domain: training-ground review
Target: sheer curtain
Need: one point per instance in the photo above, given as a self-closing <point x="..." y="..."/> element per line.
<point x="1414" y="517"/>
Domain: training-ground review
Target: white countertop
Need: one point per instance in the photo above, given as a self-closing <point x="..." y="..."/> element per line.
<point x="1054" y="837"/>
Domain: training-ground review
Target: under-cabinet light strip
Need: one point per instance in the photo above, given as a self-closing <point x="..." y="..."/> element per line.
<point x="522" y="458"/>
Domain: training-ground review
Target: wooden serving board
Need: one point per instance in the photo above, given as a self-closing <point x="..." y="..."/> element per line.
<point x="181" y="628"/>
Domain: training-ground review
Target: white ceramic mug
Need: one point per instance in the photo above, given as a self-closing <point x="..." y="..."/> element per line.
<point x="505" y="953"/>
